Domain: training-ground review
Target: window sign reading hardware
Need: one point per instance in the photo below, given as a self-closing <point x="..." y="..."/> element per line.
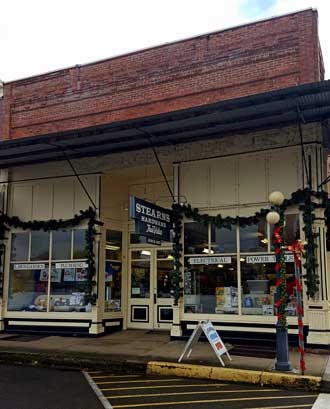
<point x="152" y="221"/>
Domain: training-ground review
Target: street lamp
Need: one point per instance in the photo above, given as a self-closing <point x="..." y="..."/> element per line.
<point x="282" y="345"/>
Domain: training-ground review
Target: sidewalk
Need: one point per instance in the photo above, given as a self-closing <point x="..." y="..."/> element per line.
<point x="133" y="348"/>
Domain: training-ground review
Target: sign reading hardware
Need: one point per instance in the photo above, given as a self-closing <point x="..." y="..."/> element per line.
<point x="209" y="260"/>
<point x="29" y="266"/>
<point x="270" y="258"/>
<point x="212" y="336"/>
<point x="78" y="264"/>
<point x="151" y="221"/>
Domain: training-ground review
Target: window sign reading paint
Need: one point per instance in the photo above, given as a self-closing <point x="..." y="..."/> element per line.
<point x="151" y="221"/>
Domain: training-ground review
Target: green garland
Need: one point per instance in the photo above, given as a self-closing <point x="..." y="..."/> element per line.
<point x="302" y="197"/>
<point x="50" y="225"/>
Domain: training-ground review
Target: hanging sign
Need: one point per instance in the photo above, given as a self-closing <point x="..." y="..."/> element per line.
<point x="269" y="258"/>
<point x="209" y="260"/>
<point x="29" y="266"/>
<point x="213" y="337"/>
<point x="152" y="221"/>
<point x="77" y="264"/>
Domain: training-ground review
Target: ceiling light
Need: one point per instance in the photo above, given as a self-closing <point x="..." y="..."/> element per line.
<point x="207" y="251"/>
<point x="220" y="265"/>
<point x="145" y="253"/>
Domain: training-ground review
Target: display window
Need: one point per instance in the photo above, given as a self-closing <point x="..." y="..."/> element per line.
<point x="113" y="271"/>
<point x="45" y="273"/>
<point x="217" y="259"/>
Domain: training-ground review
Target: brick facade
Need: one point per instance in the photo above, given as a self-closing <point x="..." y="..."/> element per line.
<point x="267" y="55"/>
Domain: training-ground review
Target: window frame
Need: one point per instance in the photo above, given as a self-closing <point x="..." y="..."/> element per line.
<point x="48" y="265"/>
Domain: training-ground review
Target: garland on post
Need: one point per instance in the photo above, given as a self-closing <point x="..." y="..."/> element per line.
<point x="302" y="198"/>
<point x="280" y="268"/>
<point x="6" y="222"/>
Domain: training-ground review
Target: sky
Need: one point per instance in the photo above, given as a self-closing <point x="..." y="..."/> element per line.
<point x="38" y="36"/>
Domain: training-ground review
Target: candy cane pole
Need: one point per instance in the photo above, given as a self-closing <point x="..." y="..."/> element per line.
<point x="296" y="248"/>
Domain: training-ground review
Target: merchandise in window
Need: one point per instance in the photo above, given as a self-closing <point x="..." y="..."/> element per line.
<point x="113" y="270"/>
<point x="31" y="272"/>
<point x="259" y="285"/>
<point x="211" y="288"/>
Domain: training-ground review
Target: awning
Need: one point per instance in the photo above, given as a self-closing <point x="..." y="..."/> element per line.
<point x="255" y="112"/>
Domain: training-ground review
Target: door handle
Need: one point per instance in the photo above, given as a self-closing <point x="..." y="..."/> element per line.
<point x="155" y="298"/>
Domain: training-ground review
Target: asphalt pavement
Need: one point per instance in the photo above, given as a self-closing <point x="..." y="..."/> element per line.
<point x="134" y="391"/>
<point x="40" y="388"/>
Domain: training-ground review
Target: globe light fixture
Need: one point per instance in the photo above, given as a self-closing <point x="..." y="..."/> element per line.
<point x="273" y="217"/>
<point x="276" y="198"/>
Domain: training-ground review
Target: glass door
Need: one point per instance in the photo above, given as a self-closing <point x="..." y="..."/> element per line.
<point x="163" y="311"/>
<point x="150" y="304"/>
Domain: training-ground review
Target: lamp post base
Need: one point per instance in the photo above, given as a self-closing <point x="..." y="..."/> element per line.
<point x="282" y="350"/>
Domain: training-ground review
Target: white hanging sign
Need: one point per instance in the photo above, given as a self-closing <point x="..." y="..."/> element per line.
<point x="29" y="266"/>
<point x="269" y="258"/>
<point x="213" y="337"/>
<point x="209" y="260"/>
<point x="78" y="264"/>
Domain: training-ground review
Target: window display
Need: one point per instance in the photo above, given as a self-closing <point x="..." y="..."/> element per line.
<point x="210" y="288"/>
<point x="113" y="270"/>
<point x="32" y="278"/>
<point x="259" y="284"/>
<point x="210" y="279"/>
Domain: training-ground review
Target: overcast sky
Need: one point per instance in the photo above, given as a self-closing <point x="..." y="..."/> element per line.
<point x="37" y="36"/>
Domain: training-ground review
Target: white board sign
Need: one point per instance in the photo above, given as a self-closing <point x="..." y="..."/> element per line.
<point x="29" y="266"/>
<point x="209" y="260"/>
<point x="77" y="264"/>
<point x="213" y="337"/>
<point x="269" y="258"/>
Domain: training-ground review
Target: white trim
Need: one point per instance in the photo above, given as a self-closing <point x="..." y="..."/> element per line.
<point x="111" y="323"/>
<point x="50" y="323"/>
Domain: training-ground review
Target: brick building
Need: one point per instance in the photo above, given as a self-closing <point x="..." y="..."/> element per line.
<point x="224" y="112"/>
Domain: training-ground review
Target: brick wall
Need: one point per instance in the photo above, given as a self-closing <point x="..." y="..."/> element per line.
<point x="250" y="59"/>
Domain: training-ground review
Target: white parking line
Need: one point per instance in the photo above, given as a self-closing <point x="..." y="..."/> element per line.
<point x="106" y="404"/>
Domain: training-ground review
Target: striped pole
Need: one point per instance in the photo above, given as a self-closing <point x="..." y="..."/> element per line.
<point x="297" y="249"/>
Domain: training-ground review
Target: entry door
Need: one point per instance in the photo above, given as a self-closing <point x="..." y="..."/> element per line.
<point x="150" y="305"/>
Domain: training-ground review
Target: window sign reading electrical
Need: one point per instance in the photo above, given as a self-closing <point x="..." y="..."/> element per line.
<point x="209" y="260"/>
<point x="151" y="221"/>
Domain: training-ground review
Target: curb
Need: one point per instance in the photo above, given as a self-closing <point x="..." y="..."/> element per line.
<point x="120" y="365"/>
<point x="261" y="378"/>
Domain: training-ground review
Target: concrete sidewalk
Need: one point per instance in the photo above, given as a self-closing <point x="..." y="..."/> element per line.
<point x="135" y="347"/>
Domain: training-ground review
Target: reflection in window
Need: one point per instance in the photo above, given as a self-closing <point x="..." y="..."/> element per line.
<point x="39" y="245"/>
<point x="20" y="246"/>
<point x="27" y="289"/>
<point x="61" y="246"/>
<point x="211" y="288"/>
<point x="79" y="244"/>
<point x="223" y="240"/>
<point x="195" y="238"/>
<point x="254" y="237"/>
<point x="291" y="229"/>
<point x="113" y="270"/>
<point x="140" y="279"/>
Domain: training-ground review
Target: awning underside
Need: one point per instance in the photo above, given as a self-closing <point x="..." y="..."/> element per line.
<point x="261" y="111"/>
